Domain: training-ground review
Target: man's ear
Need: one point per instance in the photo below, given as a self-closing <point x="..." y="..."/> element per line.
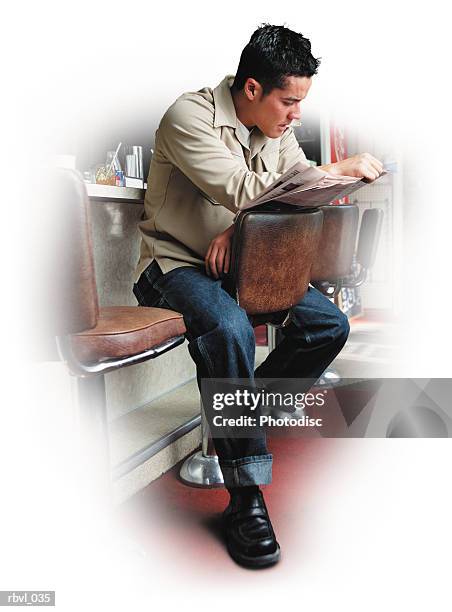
<point x="251" y="89"/>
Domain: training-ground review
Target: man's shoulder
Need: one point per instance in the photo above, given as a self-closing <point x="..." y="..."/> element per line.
<point x="190" y="107"/>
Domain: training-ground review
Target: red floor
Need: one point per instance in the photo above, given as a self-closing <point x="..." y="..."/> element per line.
<point x="182" y="524"/>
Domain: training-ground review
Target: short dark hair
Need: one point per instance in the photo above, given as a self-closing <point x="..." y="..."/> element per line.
<point x="273" y="53"/>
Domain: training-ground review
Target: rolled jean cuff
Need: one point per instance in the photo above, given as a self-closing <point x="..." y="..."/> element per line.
<point x="247" y="471"/>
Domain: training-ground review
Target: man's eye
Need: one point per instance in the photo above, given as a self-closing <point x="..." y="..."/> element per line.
<point x="287" y="103"/>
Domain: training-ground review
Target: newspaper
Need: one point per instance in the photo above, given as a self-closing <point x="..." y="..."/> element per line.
<point x="304" y="185"/>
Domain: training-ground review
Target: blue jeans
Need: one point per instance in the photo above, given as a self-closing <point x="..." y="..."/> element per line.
<point x="222" y="345"/>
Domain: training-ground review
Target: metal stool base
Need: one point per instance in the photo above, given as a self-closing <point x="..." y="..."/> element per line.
<point x="329" y="378"/>
<point x="200" y="470"/>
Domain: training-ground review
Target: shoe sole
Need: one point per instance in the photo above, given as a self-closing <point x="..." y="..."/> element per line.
<point x="262" y="561"/>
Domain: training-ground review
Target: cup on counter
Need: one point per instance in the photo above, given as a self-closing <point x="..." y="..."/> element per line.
<point x="131" y="165"/>
<point x="138" y="152"/>
<point x="105" y="175"/>
<point x="134" y="161"/>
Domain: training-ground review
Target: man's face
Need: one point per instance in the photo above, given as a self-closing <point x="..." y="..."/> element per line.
<point x="275" y="111"/>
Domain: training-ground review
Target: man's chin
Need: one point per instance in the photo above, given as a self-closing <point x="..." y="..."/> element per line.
<point x="275" y="132"/>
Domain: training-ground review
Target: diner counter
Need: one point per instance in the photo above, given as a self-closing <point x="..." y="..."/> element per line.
<point x="110" y="193"/>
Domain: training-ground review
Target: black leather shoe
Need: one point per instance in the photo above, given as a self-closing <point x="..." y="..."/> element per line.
<point x="250" y="537"/>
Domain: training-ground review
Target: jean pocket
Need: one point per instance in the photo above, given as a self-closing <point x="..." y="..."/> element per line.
<point x="144" y="289"/>
<point x="152" y="273"/>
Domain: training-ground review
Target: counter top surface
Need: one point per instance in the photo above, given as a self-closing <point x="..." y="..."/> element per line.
<point x="110" y="193"/>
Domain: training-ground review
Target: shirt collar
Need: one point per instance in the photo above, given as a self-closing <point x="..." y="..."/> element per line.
<point x="225" y="115"/>
<point x="224" y="106"/>
<point x="243" y="133"/>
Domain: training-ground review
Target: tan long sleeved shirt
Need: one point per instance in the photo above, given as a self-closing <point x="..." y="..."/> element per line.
<point x="204" y="169"/>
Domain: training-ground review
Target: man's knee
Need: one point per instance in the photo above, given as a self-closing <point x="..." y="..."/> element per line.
<point x="321" y="321"/>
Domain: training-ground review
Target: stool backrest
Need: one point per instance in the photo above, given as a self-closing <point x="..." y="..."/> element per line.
<point x="334" y="257"/>
<point x="369" y="236"/>
<point x="76" y="301"/>
<point x="272" y="253"/>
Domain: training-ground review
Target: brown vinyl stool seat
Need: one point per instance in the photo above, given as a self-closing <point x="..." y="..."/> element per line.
<point x="273" y="250"/>
<point x="122" y="331"/>
<point x="337" y="242"/>
<point x="94" y="340"/>
<point x="339" y="263"/>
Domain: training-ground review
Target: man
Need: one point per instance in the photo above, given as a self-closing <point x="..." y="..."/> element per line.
<point x="214" y="151"/>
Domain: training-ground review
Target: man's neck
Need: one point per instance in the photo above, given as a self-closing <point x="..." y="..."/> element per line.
<point x="241" y="108"/>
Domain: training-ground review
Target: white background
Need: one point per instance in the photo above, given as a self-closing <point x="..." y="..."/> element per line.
<point x="386" y="66"/>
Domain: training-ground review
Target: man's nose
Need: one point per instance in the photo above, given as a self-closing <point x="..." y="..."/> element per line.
<point x="295" y="114"/>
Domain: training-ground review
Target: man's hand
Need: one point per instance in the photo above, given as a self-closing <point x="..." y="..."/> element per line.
<point x="218" y="255"/>
<point x="363" y="165"/>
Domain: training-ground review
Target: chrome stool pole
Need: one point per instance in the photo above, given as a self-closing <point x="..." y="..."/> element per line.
<point x="329" y="378"/>
<point x="202" y="469"/>
<point x="271" y="337"/>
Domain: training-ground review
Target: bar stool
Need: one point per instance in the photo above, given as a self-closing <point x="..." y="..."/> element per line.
<point x="94" y="340"/>
<point x="273" y="249"/>
<point x="338" y="265"/>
